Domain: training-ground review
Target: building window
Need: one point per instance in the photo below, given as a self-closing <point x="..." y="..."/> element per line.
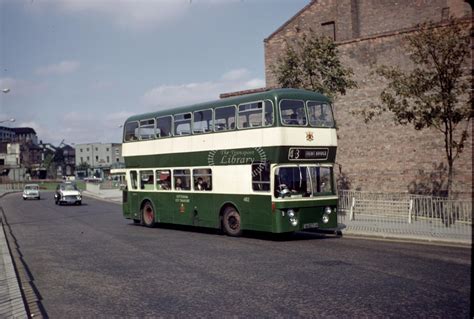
<point x="87" y="149"/>
<point x="80" y="150"/>
<point x="108" y="159"/>
<point x="96" y="149"/>
<point x="444" y="14"/>
<point x="96" y="158"/>
<point x="117" y="159"/>
<point x="107" y="149"/>
<point x="88" y="158"/>
<point x="82" y="159"/>
<point x="329" y="30"/>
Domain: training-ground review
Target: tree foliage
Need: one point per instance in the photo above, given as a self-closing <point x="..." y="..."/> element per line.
<point x="434" y="94"/>
<point x="313" y="63"/>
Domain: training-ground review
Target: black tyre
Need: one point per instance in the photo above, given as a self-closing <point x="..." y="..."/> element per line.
<point x="231" y="222"/>
<point x="148" y="215"/>
<point x="79" y="203"/>
<point x="136" y="221"/>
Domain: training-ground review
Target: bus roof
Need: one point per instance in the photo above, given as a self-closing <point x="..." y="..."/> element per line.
<point x="266" y="95"/>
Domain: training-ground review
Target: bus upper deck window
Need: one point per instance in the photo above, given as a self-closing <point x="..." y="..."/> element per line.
<point x="293" y="113"/>
<point x="182" y="124"/>
<point x="224" y="118"/>
<point x="202" y="121"/>
<point x="250" y="115"/>
<point x="131" y="132"/>
<point x="268" y="113"/>
<point x="147" y="129"/>
<point x="163" y="126"/>
<point x="320" y="114"/>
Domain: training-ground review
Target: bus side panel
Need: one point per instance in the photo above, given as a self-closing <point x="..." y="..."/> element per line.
<point x="162" y="202"/>
<point x="134" y="205"/>
<point x="259" y="213"/>
<point x="190" y="208"/>
<point x="254" y="210"/>
<point x="126" y="205"/>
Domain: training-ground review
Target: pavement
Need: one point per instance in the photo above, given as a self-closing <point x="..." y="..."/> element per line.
<point x="11" y="299"/>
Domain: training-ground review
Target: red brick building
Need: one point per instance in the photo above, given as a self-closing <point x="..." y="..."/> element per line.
<point x="380" y="156"/>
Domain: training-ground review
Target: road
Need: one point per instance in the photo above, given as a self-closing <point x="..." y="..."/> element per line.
<point x="87" y="261"/>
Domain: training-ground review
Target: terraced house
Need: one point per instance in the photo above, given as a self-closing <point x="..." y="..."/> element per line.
<point x="380" y="156"/>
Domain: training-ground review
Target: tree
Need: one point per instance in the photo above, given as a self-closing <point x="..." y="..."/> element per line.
<point x="434" y="94"/>
<point x="313" y="63"/>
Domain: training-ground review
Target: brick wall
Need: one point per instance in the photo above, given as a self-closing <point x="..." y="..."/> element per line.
<point x="380" y="156"/>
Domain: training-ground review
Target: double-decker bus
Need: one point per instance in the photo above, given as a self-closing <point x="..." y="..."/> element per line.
<point x="261" y="161"/>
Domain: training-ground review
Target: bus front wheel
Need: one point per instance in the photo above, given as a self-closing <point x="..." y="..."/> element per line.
<point x="148" y="215"/>
<point x="231" y="222"/>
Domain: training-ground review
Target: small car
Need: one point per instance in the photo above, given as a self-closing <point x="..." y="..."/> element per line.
<point x="67" y="193"/>
<point x="31" y="191"/>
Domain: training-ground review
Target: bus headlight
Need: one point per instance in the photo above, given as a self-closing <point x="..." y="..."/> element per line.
<point x="293" y="222"/>
<point x="290" y="213"/>
<point x="325" y="218"/>
<point x="327" y="210"/>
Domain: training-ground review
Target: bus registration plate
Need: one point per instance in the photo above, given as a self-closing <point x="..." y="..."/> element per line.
<point x="311" y="225"/>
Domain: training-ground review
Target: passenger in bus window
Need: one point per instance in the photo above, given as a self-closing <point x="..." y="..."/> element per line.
<point x="268" y="119"/>
<point x="178" y="184"/>
<point x="166" y="184"/>
<point x="293" y="119"/>
<point x="200" y="185"/>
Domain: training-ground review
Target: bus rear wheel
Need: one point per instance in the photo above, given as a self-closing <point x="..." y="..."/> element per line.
<point x="148" y="215"/>
<point x="231" y="222"/>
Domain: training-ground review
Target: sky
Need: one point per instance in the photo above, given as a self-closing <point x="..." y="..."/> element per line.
<point x="76" y="69"/>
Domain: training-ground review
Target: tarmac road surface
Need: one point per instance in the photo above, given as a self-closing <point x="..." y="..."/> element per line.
<point x="88" y="261"/>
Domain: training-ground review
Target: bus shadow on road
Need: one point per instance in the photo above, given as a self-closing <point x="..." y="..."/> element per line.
<point x="285" y="237"/>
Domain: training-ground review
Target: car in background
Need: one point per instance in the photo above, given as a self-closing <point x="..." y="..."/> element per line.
<point x="31" y="191"/>
<point x="67" y="193"/>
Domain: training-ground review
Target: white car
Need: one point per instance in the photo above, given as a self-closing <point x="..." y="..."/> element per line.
<point x="31" y="191"/>
<point x="67" y="193"/>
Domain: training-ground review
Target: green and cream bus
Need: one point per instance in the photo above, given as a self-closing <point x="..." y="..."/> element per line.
<point x="261" y="161"/>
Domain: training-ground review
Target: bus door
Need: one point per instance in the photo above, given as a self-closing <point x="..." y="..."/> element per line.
<point x="133" y="196"/>
<point x="119" y="178"/>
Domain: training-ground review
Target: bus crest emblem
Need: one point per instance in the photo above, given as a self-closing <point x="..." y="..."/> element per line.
<point x="309" y="136"/>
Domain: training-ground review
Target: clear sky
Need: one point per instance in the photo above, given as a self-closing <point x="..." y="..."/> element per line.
<point x="77" y="68"/>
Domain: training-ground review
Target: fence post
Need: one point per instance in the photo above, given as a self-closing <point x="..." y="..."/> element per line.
<point x="351" y="216"/>
<point x="410" y="211"/>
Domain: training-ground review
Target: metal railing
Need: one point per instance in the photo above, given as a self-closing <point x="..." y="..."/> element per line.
<point x="11" y="187"/>
<point x="406" y="215"/>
